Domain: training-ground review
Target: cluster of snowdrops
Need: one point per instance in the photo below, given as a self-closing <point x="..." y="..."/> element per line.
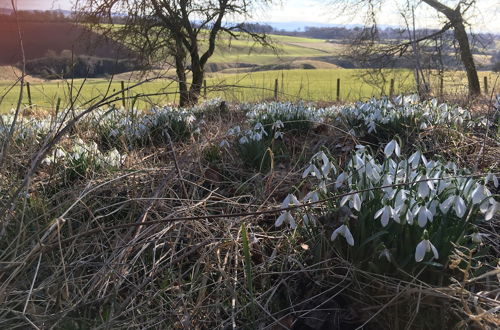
<point x="407" y="208"/>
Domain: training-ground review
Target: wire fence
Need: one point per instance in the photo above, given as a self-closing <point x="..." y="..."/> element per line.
<point x="294" y="85"/>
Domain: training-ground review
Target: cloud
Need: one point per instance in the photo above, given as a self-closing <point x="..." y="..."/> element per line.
<point x="37" y="4"/>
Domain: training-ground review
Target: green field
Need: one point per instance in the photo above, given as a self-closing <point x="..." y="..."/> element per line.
<point x="312" y="85"/>
<point x="241" y="84"/>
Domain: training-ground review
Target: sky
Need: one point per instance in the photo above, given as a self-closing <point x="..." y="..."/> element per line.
<point x="485" y="18"/>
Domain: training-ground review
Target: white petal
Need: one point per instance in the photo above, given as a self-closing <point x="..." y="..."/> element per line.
<point x="294" y="200"/>
<point x="378" y="213"/>
<point x="478" y="194"/>
<point x="307" y="171"/>
<point x="491" y="212"/>
<point x="397" y="149"/>
<point x="291" y="221"/>
<point x="420" y="251"/>
<point x="414" y="159"/>
<point x="422" y="217"/>
<point x="336" y="232"/>
<point x="484" y="206"/>
<point x="286" y="202"/>
<point x="445" y="206"/>
<point x="429" y="215"/>
<point x="348" y="236"/>
<point x="309" y="218"/>
<point x="423" y="189"/>
<point x="280" y="220"/>
<point x="476" y="238"/>
<point x="340" y="179"/>
<point x="356" y="202"/>
<point x="325" y="169"/>
<point x="385" y="216"/>
<point x="344" y="200"/>
<point x="434" y="251"/>
<point x="409" y="217"/>
<point x="459" y="207"/>
<point x="389" y="148"/>
<point x="325" y="158"/>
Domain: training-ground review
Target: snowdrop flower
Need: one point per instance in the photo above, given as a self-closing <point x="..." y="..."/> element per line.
<point x="233" y="131"/>
<point x="311" y="197"/>
<point x="458" y="205"/>
<point x="425" y="246"/>
<point x="401" y="197"/>
<point x="257" y="136"/>
<point x="278" y="135"/>
<point x="424" y="215"/>
<point x="59" y="153"/>
<point x="385" y="214"/>
<point x="491" y="211"/>
<point x="344" y="231"/>
<point x="425" y="186"/>
<point x="278" y="124"/>
<point x="243" y="140"/>
<point x="113" y="158"/>
<point x="385" y="254"/>
<point x="290" y="199"/>
<point x="286" y="217"/>
<point x="409" y="215"/>
<point x="258" y="126"/>
<point x="354" y="201"/>
<point x="414" y="159"/>
<point x="392" y="147"/>
<point x="477" y="237"/>
<point x="491" y="177"/>
<point x="309" y="218"/>
<point x="313" y="170"/>
<point x="224" y="144"/>
<point x="479" y="194"/>
<point x="340" y="180"/>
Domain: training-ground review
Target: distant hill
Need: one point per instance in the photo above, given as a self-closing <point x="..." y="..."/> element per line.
<point x="41" y="37"/>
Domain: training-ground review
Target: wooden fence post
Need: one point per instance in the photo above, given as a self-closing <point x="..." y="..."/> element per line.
<point x="58" y="105"/>
<point x="441" y="85"/>
<point x="29" y="94"/>
<point x="276" y="89"/>
<point x="485" y="85"/>
<point x="204" y="88"/>
<point x="338" y="89"/>
<point x="391" y="88"/>
<point x="122" y="83"/>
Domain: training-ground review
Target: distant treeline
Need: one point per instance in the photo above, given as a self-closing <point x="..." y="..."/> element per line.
<point x="34" y="16"/>
<point x="66" y="65"/>
<point x="350" y="33"/>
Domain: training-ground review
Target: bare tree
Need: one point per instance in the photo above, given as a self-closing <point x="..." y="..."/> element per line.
<point x="186" y="31"/>
<point x="454" y="19"/>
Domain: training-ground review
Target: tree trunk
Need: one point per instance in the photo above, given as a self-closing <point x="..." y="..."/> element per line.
<point x="467" y="59"/>
<point x="197" y="80"/>
<point x="456" y="20"/>
<point x="181" y="75"/>
<point x="183" y="90"/>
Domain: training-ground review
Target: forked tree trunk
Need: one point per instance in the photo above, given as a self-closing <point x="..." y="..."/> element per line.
<point x="456" y="20"/>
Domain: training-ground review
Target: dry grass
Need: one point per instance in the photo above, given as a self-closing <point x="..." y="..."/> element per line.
<point x="157" y="245"/>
